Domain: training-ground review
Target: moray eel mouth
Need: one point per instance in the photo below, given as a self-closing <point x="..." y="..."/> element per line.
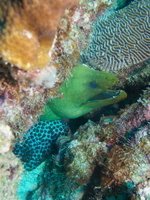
<point x="112" y="96"/>
<point x="109" y="94"/>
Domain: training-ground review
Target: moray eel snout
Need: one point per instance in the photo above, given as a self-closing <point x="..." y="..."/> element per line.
<point x="107" y="97"/>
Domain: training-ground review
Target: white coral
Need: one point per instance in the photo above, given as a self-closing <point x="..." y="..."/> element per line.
<point x="5" y="138"/>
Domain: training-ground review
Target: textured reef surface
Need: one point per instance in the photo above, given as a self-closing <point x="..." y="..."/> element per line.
<point x="107" y="156"/>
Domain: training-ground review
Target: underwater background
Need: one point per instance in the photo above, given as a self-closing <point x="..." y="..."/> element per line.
<point x="75" y="100"/>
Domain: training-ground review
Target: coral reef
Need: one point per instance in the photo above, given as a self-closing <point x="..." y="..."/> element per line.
<point x="103" y="160"/>
<point x="23" y="93"/>
<point x="106" y="160"/>
<point x="73" y="33"/>
<point x="36" y="145"/>
<point x="71" y="36"/>
<point x="120" y="149"/>
<point x="25" y="97"/>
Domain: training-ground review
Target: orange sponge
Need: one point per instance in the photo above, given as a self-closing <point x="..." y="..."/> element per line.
<point x="29" y="32"/>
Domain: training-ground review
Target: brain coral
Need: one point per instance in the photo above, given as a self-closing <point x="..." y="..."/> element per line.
<point x="120" y="38"/>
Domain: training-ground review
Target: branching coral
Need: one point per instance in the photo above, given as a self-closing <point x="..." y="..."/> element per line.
<point x="29" y="32"/>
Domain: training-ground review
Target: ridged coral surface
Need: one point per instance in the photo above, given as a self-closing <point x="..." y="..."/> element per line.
<point x="120" y="39"/>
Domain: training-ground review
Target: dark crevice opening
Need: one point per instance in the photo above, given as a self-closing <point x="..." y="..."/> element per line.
<point x="94" y="182"/>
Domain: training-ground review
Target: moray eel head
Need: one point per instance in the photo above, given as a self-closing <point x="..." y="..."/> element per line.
<point x="84" y="91"/>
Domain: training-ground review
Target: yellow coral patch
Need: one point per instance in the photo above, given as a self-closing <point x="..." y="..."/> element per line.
<point x="29" y="31"/>
<point x="43" y="56"/>
<point x="20" y="50"/>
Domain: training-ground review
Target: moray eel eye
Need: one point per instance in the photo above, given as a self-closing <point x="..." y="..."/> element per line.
<point x="93" y="85"/>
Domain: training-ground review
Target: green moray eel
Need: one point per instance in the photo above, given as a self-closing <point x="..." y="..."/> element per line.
<point x="84" y="91"/>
